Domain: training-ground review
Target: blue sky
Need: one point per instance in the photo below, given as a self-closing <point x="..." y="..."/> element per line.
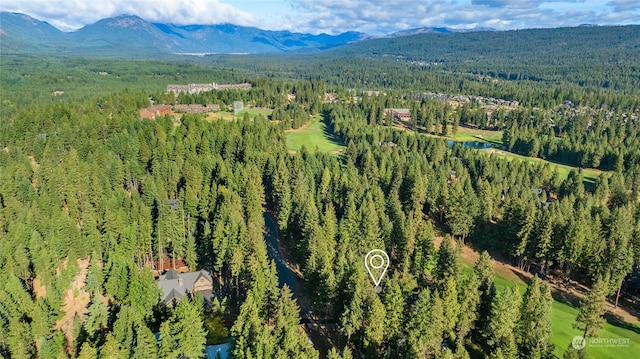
<point x="375" y="17"/>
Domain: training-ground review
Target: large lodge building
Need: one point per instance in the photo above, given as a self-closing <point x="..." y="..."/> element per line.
<point x="197" y="88"/>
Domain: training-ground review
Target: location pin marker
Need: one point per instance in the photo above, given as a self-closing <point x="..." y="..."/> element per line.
<point x="376" y="262"/>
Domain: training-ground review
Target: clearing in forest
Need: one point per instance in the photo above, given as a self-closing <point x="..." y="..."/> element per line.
<point x="312" y="135"/>
<point x="590" y="174"/>
<point x="565" y="309"/>
<point x="226" y="115"/>
<point x="467" y="134"/>
<point x="76" y="300"/>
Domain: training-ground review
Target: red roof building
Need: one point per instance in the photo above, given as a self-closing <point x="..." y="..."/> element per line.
<point x="153" y="111"/>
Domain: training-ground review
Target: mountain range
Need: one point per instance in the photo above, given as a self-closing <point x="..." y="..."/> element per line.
<point x="128" y="36"/>
<point x="132" y="36"/>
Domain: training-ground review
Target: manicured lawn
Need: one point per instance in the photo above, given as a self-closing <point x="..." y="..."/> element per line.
<point x="254" y="112"/>
<point x="590" y="174"/>
<point x="495" y="137"/>
<point x="563" y="315"/>
<point x="313" y="135"/>
<point x="465" y="134"/>
<point x="225" y="115"/>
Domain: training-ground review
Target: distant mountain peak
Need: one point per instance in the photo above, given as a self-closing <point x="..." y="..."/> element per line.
<point x="131" y="35"/>
<point x="435" y="30"/>
<point x="127" y="21"/>
<point x="29" y="19"/>
<point x="23" y="17"/>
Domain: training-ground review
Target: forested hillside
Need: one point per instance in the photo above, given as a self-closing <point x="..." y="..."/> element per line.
<point x="594" y="66"/>
<point x="85" y="181"/>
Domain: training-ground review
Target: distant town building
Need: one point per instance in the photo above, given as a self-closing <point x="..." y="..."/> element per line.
<point x="399" y="114"/>
<point x="196" y="108"/>
<point x="197" y="88"/>
<point x="155" y="111"/>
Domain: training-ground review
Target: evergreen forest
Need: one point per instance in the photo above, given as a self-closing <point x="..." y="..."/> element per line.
<point x="93" y="197"/>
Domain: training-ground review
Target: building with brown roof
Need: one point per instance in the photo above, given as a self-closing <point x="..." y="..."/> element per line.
<point x="197" y="88"/>
<point x="154" y="111"/>
<point x="401" y="114"/>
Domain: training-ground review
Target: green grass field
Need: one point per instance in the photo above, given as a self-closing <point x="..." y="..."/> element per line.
<point x="313" y="135"/>
<point x="590" y="174"/>
<point x="225" y="115"/>
<point x="563" y="315"/>
<point x="466" y="134"/>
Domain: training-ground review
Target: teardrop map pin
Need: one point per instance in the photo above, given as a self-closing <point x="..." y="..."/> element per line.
<point x="376" y="262"/>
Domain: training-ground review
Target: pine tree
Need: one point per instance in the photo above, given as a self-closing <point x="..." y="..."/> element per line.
<point x="19" y="339"/>
<point x="44" y="319"/>
<point x="97" y="318"/>
<point x="487" y="290"/>
<point x="505" y="311"/>
<point x="462" y="209"/>
<point x="334" y="354"/>
<point x="352" y="317"/>
<point x="534" y="326"/>
<point x="187" y="328"/>
<point x="143" y="292"/>
<point x="145" y="347"/>
<point x="394" y="304"/>
<point x="373" y="325"/>
<point x="451" y="308"/>
<point x="122" y="332"/>
<point x="469" y="299"/>
<point x="168" y="343"/>
<point x="88" y="352"/>
<point x="590" y="317"/>
<point x="111" y="349"/>
<point x="620" y="248"/>
<point x="248" y="326"/>
<point x="448" y="262"/>
<point x="573" y="353"/>
<point x="288" y="342"/>
<point x="426" y="326"/>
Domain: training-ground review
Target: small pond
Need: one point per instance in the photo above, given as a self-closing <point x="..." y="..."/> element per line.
<point x="479" y="145"/>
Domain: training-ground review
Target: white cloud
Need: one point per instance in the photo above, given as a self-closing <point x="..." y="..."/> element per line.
<point x="383" y="16"/>
<point x="72" y="14"/>
<point x="625" y="5"/>
<point x="374" y="17"/>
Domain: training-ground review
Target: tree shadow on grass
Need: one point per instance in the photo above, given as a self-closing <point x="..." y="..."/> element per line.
<point x="329" y="134"/>
<point x="618" y="321"/>
<point x="567" y="296"/>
